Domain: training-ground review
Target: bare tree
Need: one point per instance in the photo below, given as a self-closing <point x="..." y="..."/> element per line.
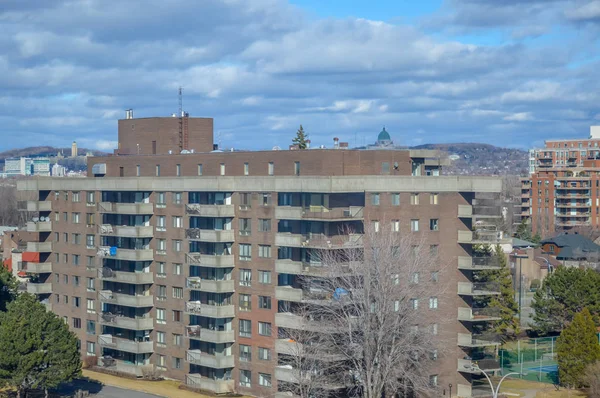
<point x="592" y="380"/>
<point x="368" y="313"/>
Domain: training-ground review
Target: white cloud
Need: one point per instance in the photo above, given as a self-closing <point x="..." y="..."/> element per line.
<point x="586" y="12"/>
<point x="519" y="117"/>
<point x="105" y="145"/>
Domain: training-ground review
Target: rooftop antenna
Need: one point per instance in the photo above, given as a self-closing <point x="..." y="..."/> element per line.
<point x="219" y="139"/>
<point x="183" y="123"/>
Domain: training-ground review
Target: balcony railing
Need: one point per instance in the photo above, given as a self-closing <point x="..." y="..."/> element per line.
<point x="210" y="235"/>
<point x="121" y="344"/>
<point x="478" y="263"/>
<point x="140" y="231"/>
<point x="122" y="366"/>
<point x="197" y="332"/>
<point x="210" y="310"/>
<point x="126" y="208"/>
<point x="39" y="226"/>
<point x="127" y="300"/>
<point x="126" y="277"/>
<point x="38" y="205"/>
<point x="478" y="340"/>
<point x="208" y="260"/>
<point x="126" y="254"/>
<point x="38" y="268"/>
<point x="200" y="358"/>
<point x="126" y="322"/>
<point x="39" y="247"/>
<point x="465" y="211"/>
<point x="473" y="366"/>
<point x="217" y="386"/>
<point x="478" y="314"/>
<point x="39" y="288"/>
<point x="318" y="240"/>
<point x="288" y="293"/>
<point x="211" y="286"/>
<point x="321" y="213"/>
<point x="478" y="289"/>
<point x="195" y="209"/>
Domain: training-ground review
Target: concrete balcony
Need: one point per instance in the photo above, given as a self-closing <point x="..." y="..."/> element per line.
<point x="478" y="289"/>
<point x="120" y="344"/>
<point x="207" y="260"/>
<point x="289" y="320"/>
<point x="200" y="358"/>
<point x="210" y="311"/>
<point x="465" y="237"/>
<point x="38" y="268"/>
<point x="288" y="293"/>
<point x="127" y="254"/>
<point x="127" y="231"/>
<point x="210" y="235"/>
<point x="211" y="286"/>
<point x="196" y="332"/>
<point x="39" y="288"/>
<point x="288" y="347"/>
<point x="217" y="386"/>
<point x="140" y="278"/>
<point x="39" y="205"/>
<point x="126" y="300"/>
<point x="478" y="263"/>
<point x="289" y="267"/>
<point x="319" y="241"/>
<point x="479" y="237"/>
<point x="286" y="374"/>
<point x="126" y="208"/>
<point x="194" y="209"/>
<point x="122" y="366"/>
<point x="39" y="247"/>
<point x="106" y="318"/>
<point x="465" y="211"/>
<point x="319" y="213"/>
<point x="473" y="341"/>
<point x="478" y="314"/>
<point x="39" y="226"/>
<point x="475" y="366"/>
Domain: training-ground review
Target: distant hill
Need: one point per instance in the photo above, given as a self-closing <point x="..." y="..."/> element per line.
<point x="34" y="151"/>
<point x="483" y="159"/>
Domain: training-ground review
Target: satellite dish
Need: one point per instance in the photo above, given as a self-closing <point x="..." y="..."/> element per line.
<point x="276" y="148"/>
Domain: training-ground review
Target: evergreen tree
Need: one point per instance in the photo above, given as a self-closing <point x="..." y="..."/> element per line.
<point x="564" y="293"/>
<point x="576" y="348"/>
<point x="301" y="138"/>
<point x="37" y="350"/>
<point x="536" y="238"/>
<point x="8" y="287"/>
<point x="505" y="302"/>
<point x="524" y="231"/>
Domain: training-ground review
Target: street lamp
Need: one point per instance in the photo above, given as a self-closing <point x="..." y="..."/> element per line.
<point x="496" y="391"/>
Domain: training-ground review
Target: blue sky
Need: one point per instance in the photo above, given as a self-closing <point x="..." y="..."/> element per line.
<point x="504" y="72"/>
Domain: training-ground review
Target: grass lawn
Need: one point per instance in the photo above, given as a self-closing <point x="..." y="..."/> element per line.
<point x="532" y="389"/>
<point x="165" y="388"/>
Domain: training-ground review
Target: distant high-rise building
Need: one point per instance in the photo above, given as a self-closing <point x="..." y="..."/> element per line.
<point x="74" y="149"/>
<point x="24" y="166"/>
<point x="58" y="170"/>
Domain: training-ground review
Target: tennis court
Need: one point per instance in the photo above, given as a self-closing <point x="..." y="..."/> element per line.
<point x="544" y="369"/>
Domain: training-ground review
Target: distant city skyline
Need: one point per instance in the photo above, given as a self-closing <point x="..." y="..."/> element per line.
<point x="508" y="73"/>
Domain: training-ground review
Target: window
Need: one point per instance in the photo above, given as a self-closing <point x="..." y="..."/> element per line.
<point x="245" y="328"/>
<point x="415" y="277"/>
<point x="75" y="259"/>
<point x="66" y="279"/>
<point x="264" y="225"/>
<point x="297" y="168"/>
<point x="177" y="198"/>
<point x="161" y="362"/>
<point x="56" y="237"/>
<point x="433" y="224"/>
<point x="76" y="197"/>
<point x="266" y="199"/>
<point x="161" y="198"/>
<point x="161" y="315"/>
<point x="433" y="380"/>
<point x="158" y="170"/>
<point x="245" y="353"/>
<point x="90" y="348"/>
<point x="161" y="270"/>
<point x="271" y="169"/>
<point x="433" y="303"/>
<point x="245" y="378"/>
<point x="177" y="269"/>
<point x="395" y="225"/>
<point x="245" y="252"/>
<point x="178" y="292"/>
<point x="245" y="277"/>
<point x="264" y="328"/>
<point x="57" y="216"/>
<point x="395" y="199"/>
<point x="90" y="327"/>
<point x="75" y="279"/>
<point x="434" y="328"/>
<point x="65" y="216"/>
<point x="177" y="339"/>
<point x="414" y="198"/>
<point x="161" y="246"/>
<point x="375" y="199"/>
<point x="177" y="316"/>
<point x="89" y="219"/>
<point x="161" y="338"/>
<point x="177" y="222"/>
<point x="178" y="170"/>
<point x="91" y="306"/>
<point x="385" y="167"/>
<point x="414" y="225"/>
<point x="264" y="277"/>
<point x="65" y="237"/>
<point x="435" y="276"/>
<point x="245" y="302"/>
<point x="264" y="251"/>
<point x="245" y="201"/>
<point x="433" y="199"/>
<point x="176" y="363"/>
<point x="264" y="302"/>
<point x="76" y="238"/>
<point x="222" y="169"/>
<point x="76" y="323"/>
<point x="65" y="258"/>
<point x="200" y="169"/>
<point x="161" y="223"/>
<point x="246" y="169"/>
<point x="90" y="198"/>
<point x="177" y="245"/>
<point x="434" y="250"/>
<point x="264" y="379"/>
<point x="415" y="303"/>
<point x="375" y="225"/>
<point x="90" y="241"/>
<point x="137" y="170"/>
<point x="245" y="226"/>
<point x="264" y="354"/>
<point x="75" y="217"/>
<point x="161" y="292"/>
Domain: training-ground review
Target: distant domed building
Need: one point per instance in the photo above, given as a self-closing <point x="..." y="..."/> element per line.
<point x="384" y="139"/>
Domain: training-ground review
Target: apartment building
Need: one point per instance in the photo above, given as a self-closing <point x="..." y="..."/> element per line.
<point x="189" y="263"/>
<point x="563" y="192"/>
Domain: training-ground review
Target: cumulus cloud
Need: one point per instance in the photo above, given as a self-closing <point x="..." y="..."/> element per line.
<point x="68" y="69"/>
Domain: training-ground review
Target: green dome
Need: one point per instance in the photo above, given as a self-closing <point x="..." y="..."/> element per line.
<point x="383" y="136"/>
